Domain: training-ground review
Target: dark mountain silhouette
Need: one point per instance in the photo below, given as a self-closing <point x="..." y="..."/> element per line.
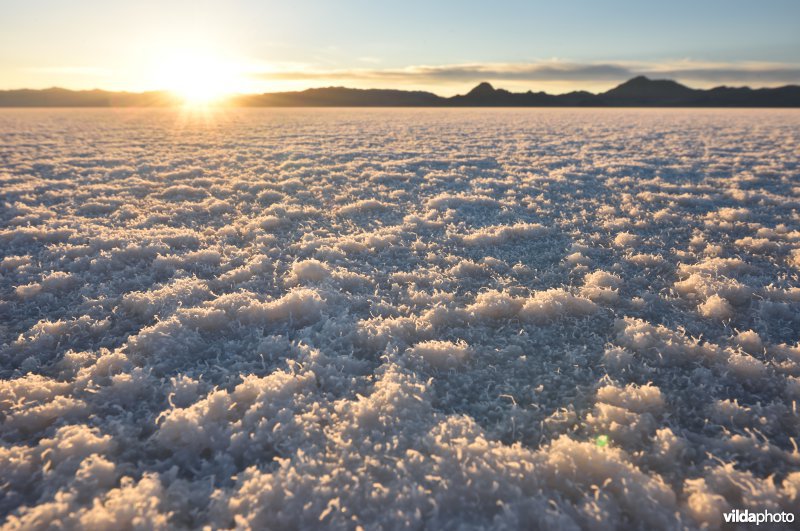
<point x="59" y="97"/>
<point x="485" y="95"/>
<point x="643" y="91"/>
<point x="637" y="92"/>
<point x="787" y="96"/>
<point x="341" y="97"/>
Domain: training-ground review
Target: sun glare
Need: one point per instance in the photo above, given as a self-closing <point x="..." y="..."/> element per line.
<point x="197" y="78"/>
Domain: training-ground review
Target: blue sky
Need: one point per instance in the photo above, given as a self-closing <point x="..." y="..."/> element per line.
<point x="445" y="46"/>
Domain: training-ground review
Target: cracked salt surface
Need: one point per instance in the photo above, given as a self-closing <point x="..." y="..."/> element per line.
<point x="398" y="318"/>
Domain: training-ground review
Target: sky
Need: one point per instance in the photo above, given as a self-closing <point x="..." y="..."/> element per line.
<point x="443" y="46"/>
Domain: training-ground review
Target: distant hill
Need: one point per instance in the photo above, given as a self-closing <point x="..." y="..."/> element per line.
<point x="341" y="97"/>
<point x="643" y="91"/>
<point x="637" y="92"/>
<point x="59" y="97"/>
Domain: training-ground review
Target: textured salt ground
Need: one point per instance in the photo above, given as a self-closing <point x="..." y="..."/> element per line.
<point x="398" y="318"/>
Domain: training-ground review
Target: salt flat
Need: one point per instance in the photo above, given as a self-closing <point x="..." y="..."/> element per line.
<point x="294" y="319"/>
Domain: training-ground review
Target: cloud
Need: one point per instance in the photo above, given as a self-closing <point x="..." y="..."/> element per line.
<point x="556" y="71"/>
<point x="773" y="74"/>
<point x="465" y="72"/>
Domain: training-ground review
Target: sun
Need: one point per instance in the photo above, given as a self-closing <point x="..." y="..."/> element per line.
<point x="198" y="78"/>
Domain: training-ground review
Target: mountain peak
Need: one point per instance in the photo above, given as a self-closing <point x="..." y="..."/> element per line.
<point x="643" y="81"/>
<point x="642" y="90"/>
<point x="482" y="89"/>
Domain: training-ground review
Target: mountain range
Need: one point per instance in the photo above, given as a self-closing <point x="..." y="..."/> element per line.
<point x="637" y="92"/>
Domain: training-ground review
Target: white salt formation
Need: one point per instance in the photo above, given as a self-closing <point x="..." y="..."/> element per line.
<point x="441" y="319"/>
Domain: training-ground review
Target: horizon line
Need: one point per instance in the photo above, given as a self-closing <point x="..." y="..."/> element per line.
<point x="322" y="87"/>
<point x="638" y="91"/>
